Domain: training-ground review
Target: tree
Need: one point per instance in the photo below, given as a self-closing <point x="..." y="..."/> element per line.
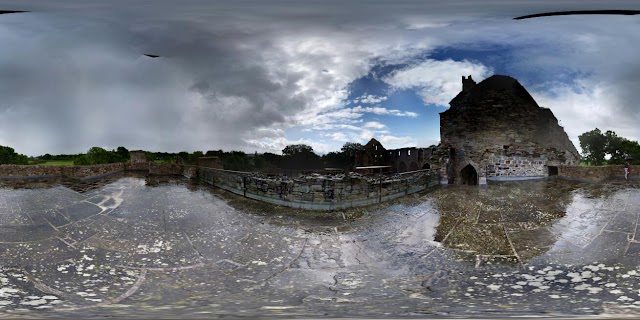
<point x="349" y="152"/>
<point x="294" y="149"/>
<point x="300" y="157"/>
<point x="123" y="154"/>
<point x="352" y="148"/>
<point x="336" y="160"/>
<point x="614" y="148"/>
<point x="594" y="145"/>
<point x="9" y="156"/>
<point x="82" y="160"/>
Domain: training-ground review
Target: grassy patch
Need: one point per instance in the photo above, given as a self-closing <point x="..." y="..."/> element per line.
<point x="57" y="163"/>
<point x="163" y="161"/>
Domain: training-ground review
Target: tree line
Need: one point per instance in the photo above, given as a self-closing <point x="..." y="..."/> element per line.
<point x="600" y="148"/>
<point x="294" y="157"/>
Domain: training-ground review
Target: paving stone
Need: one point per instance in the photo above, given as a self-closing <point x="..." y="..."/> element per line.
<point x="170" y="250"/>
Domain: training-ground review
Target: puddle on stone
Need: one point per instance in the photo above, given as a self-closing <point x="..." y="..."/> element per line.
<point x="135" y="245"/>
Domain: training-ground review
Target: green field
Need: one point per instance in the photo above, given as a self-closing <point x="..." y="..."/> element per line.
<point x="57" y="163"/>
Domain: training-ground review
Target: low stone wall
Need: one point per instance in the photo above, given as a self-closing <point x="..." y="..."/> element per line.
<point x="91" y="171"/>
<point x="15" y="171"/>
<point x="590" y="173"/>
<point x="30" y="171"/>
<point x="319" y="192"/>
<point x="136" y="166"/>
<point x="8" y="171"/>
<point x="165" y="169"/>
<point x="210" y="162"/>
<point x="190" y="172"/>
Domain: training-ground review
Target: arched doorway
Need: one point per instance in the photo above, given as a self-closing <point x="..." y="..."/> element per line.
<point x="402" y="167"/>
<point x="413" y="166"/>
<point x="426" y="166"/>
<point x="469" y="175"/>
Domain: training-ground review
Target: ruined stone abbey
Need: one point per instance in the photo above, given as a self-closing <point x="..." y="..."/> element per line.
<point x="494" y="130"/>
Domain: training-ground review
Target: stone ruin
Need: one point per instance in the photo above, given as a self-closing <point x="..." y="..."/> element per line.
<point x="495" y="130"/>
<point x="137" y="156"/>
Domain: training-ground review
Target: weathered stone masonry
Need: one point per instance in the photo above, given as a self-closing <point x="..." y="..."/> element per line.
<point x="495" y="129"/>
<point x="319" y="192"/>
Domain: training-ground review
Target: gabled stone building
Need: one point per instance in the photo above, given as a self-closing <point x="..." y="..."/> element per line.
<point x="496" y="130"/>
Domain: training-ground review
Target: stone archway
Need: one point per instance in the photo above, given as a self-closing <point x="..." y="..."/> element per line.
<point x="426" y="166"/>
<point x="413" y="166"/>
<point x="469" y="175"/>
<point x="402" y="167"/>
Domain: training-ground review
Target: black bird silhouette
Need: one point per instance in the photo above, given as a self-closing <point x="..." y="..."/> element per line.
<point x="11" y="11"/>
<point x="579" y="12"/>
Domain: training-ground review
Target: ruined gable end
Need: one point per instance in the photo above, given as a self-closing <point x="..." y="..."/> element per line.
<point x="495" y="130"/>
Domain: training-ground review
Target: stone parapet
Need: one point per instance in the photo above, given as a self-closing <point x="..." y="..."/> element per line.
<point x="591" y="173"/>
<point x="320" y="192"/>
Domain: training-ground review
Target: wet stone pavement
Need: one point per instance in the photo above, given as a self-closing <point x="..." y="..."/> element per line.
<point x="156" y="247"/>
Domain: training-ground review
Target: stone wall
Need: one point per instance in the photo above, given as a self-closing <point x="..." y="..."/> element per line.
<point x="496" y="125"/>
<point x="137" y="156"/>
<point x="589" y="173"/>
<point x="91" y="171"/>
<point x="210" y="162"/>
<point x="136" y="166"/>
<point x="165" y="169"/>
<point x="319" y="192"/>
<point x="190" y="172"/>
<point x="503" y="166"/>
<point x="21" y="171"/>
<point x="83" y="172"/>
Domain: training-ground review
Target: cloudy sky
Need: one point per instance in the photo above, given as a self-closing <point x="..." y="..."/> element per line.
<point x="258" y="75"/>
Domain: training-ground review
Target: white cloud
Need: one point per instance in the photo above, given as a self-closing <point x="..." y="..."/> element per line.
<point x="375" y="125"/>
<point x="276" y="145"/>
<point x="384" y="111"/>
<point x="337" y="136"/>
<point x="437" y="82"/>
<point x="366" y="135"/>
<point x="240" y="80"/>
<point x="393" y="142"/>
<point x="586" y="104"/>
<point x="370" y="99"/>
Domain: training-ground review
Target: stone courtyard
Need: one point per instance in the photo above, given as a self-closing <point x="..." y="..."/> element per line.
<point x="137" y="246"/>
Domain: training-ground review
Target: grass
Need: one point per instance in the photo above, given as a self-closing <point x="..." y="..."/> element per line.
<point x="57" y="163"/>
<point x="163" y="161"/>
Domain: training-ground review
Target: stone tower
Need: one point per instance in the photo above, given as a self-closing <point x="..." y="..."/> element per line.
<point x="496" y="130"/>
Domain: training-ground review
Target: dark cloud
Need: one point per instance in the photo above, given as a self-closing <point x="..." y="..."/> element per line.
<point x="230" y="73"/>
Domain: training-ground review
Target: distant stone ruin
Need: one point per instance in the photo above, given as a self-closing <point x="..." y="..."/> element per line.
<point x="137" y="156"/>
<point x="400" y="160"/>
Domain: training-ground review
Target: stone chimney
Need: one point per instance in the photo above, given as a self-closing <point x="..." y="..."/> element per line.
<point x="467" y="84"/>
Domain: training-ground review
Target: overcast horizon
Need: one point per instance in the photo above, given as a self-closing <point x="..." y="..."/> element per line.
<point x="255" y="76"/>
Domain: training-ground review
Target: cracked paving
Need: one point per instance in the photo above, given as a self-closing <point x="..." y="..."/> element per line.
<point x="132" y="245"/>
